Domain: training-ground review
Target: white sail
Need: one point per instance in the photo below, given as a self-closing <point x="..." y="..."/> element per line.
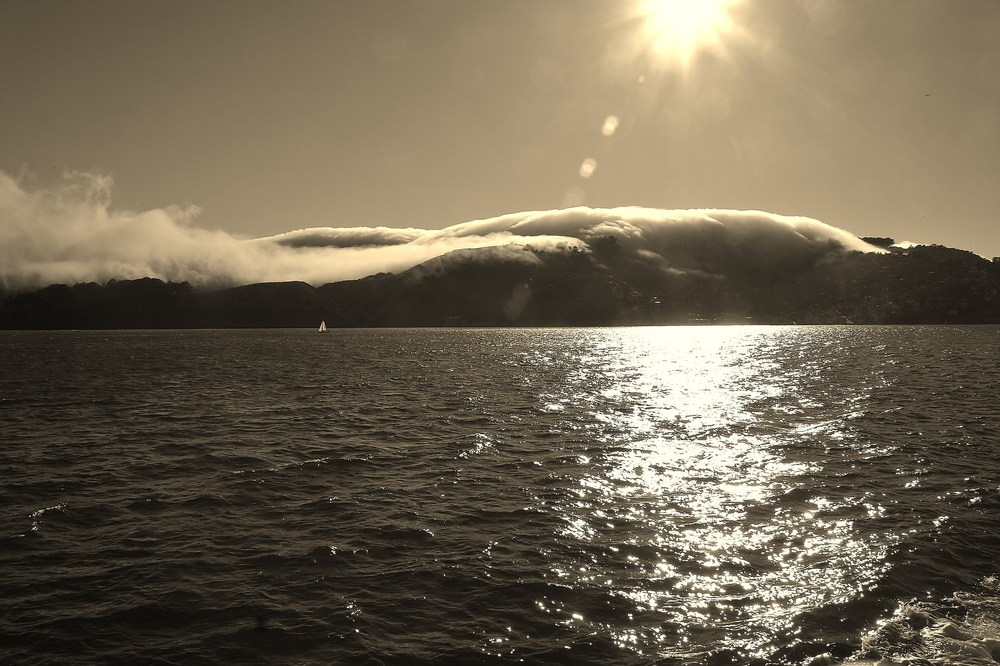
<point x="322" y="326"/>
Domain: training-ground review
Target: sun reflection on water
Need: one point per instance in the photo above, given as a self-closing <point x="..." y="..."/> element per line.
<point x="705" y="533"/>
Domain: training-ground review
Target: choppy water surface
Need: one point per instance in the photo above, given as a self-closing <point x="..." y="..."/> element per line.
<point x="642" y="495"/>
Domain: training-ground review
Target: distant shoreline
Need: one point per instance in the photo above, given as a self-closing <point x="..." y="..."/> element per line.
<point x="606" y="287"/>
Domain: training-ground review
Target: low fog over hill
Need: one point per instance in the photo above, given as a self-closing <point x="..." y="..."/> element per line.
<point x="577" y="266"/>
<point x="71" y="234"/>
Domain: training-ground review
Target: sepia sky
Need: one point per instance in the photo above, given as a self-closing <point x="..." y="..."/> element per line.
<point x="880" y="117"/>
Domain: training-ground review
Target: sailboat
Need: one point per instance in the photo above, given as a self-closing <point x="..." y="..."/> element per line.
<point x="322" y="326"/>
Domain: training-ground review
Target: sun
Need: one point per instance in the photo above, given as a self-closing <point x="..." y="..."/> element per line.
<point x="679" y="29"/>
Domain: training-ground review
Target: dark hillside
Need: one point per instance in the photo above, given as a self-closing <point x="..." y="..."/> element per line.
<point x="525" y="286"/>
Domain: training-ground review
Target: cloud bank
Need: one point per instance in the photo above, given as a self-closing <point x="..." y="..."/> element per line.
<point x="71" y="233"/>
<point x="345" y="237"/>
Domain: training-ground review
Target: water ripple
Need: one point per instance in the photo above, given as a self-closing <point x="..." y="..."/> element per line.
<point x="652" y="495"/>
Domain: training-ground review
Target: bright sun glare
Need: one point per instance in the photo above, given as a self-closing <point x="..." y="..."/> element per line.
<point x="678" y="29"/>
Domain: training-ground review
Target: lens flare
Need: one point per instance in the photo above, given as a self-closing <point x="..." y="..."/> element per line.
<point x="679" y="29"/>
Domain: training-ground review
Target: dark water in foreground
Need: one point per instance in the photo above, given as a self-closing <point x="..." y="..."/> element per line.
<point x="643" y="495"/>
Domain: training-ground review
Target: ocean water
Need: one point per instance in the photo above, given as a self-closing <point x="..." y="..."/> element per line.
<point x="675" y="495"/>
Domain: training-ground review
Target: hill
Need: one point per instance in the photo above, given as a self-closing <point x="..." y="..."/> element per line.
<point x="521" y="285"/>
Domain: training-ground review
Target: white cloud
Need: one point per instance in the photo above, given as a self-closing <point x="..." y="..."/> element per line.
<point x="71" y="233"/>
<point x="345" y="237"/>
